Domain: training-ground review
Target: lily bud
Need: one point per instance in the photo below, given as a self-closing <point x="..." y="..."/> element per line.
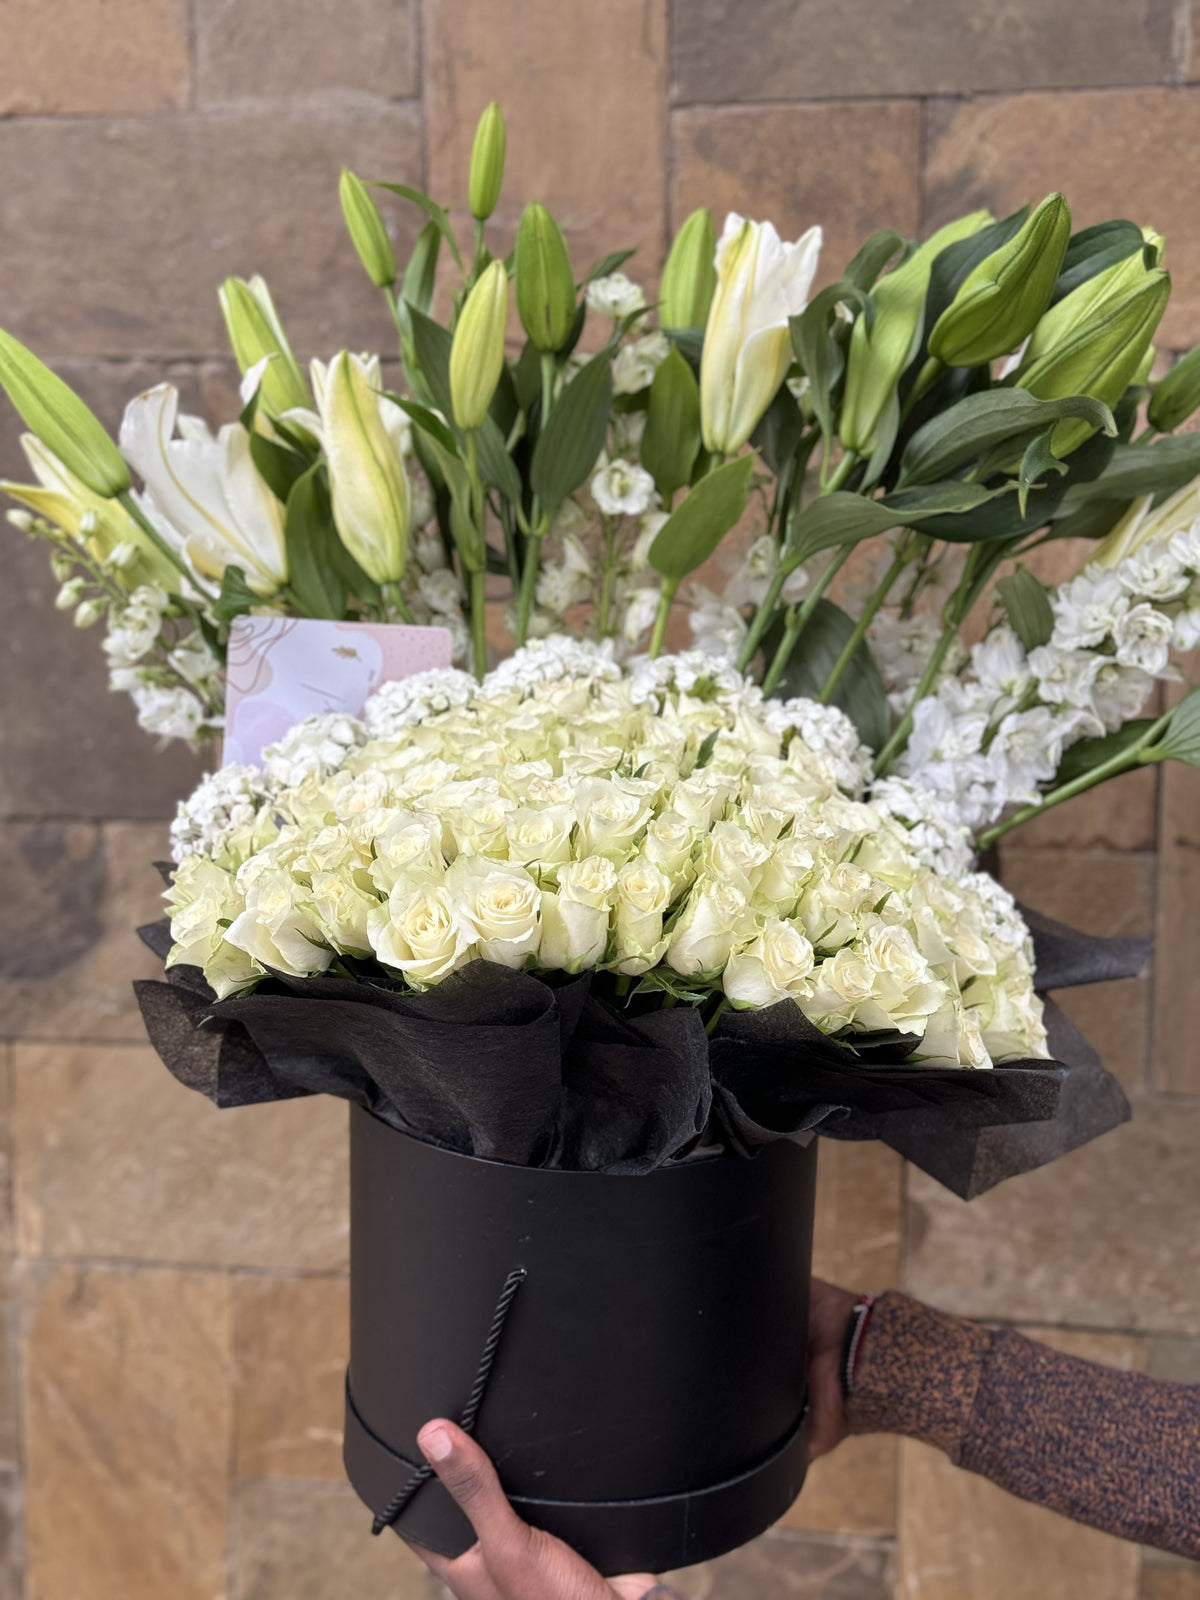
<point x="256" y="333"/>
<point x="59" y="418"/>
<point x="1177" y="395"/>
<point x="1001" y="300"/>
<point x="487" y="163"/>
<point x="367" y="482"/>
<point x="367" y="231"/>
<point x="477" y="353"/>
<point x="690" y="276"/>
<point x="878" y="356"/>
<point x="1101" y="352"/>
<point x="1103" y="288"/>
<point x="761" y="282"/>
<point x="545" y="285"/>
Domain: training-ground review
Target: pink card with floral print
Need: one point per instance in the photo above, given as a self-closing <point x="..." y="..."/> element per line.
<point x="280" y="670"/>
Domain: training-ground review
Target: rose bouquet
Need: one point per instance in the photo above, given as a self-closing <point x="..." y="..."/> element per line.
<point x="605" y="910"/>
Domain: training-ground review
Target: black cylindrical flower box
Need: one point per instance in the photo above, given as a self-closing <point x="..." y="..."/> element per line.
<point x="647" y="1400"/>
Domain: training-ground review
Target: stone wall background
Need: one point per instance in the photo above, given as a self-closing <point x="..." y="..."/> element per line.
<point x="173" y="1295"/>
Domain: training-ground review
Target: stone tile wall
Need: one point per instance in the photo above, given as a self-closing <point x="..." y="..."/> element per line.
<point x="173" y="1299"/>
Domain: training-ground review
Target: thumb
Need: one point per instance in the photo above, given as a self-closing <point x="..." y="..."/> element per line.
<point x="471" y="1480"/>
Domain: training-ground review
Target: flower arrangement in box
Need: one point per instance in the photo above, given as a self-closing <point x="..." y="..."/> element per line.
<point x="600" y="909"/>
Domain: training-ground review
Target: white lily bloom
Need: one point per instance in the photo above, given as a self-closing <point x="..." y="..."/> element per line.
<point x="204" y="493"/>
<point x="761" y="282"/>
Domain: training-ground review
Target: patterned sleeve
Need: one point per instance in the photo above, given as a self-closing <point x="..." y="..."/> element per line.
<point x="1116" y="1450"/>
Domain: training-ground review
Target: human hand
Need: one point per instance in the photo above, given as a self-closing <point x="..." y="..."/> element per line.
<point x="828" y="1321"/>
<point x="511" y="1560"/>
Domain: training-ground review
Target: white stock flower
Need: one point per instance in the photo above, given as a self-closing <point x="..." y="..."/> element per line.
<point x="635" y="364"/>
<point x="1143" y="638"/>
<point x="622" y="490"/>
<point x="170" y="713"/>
<point x="615" y="296"/>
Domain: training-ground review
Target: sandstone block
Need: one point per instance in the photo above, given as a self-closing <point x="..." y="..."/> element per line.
<point x="127" y="1420"/>
<point x="779" y="51"/>
<point x="118" y="1160"/>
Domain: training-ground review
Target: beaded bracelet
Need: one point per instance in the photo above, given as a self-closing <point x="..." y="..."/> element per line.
<point x="860" y="1316"/>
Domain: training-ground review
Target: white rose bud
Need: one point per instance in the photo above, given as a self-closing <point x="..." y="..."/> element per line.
<point x="542" y="837"/>
<point x="575" y="920"/>
<point x="480" y="827"/>
<point x="610" y="818"/>
<point x="409" y="847"/>
<point x="710" y="926"/>
<point x="501" y="903"/>
<point x="788" y="870"/>
<point x="841" y="986"/>
<point x="735" y="855"/>
<point x="774" y="966"/>
<point x="418" y="931"/>
<point x="668" y="844"/>
<point x="643" y="895"/>
<point x="342" y="910"/>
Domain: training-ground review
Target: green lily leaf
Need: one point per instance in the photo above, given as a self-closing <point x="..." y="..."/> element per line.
<point x="1137" y="469"/>
<point x="979" y="423"/>
<point x="431" y="209"/>
<point x="1181" y="741"/>
<point x="236" y="596"/>
<point x="860" y="692"/>
<point x="309" y="536"/>
<point x="671" y="441"/>
<point x="844" y="518"/>
<point x="573" y="437"/>
<point x="691" y="533"/>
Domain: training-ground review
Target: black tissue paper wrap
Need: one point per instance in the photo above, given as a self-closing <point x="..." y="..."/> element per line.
<point x="542" y="1072"/>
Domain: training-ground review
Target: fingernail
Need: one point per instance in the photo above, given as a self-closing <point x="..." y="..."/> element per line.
<point x="436" y="1443"/>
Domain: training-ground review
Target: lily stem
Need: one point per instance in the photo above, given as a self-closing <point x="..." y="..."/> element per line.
<point x="798" y="620"/>
<point x="901" y="560"/>
<point x="665" y="596"/>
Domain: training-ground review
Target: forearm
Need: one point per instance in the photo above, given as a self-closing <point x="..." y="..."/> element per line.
<point x="1116" y="1450"/>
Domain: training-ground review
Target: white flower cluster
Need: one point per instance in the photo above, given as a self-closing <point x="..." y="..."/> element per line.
<point x="172" y="684"/>
<point x="223" y="807"/>
<point x="995" y="736"/>
<point x="654" y="824"/>
<point x="318" y="745"/>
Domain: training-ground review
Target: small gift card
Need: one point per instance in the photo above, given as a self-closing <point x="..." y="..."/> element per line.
<point x="280" y="670"/>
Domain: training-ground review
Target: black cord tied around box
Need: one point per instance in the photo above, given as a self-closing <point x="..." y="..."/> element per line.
<point x="470" y="1413"/>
